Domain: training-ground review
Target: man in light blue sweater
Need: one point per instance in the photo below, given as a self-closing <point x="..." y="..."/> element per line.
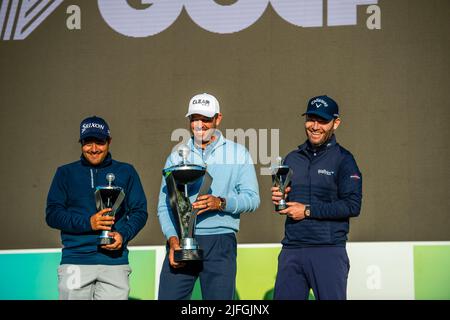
<point x="234" y="190"/>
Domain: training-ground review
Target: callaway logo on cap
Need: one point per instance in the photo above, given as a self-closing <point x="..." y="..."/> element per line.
<point x="324" y="107"/>
<point x="204" y="104"/>
<point x="319" y="103"/>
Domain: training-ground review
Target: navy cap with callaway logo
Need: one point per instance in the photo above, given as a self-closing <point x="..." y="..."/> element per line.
<point x="324" y="107"/>
<point x="94" y="127"/>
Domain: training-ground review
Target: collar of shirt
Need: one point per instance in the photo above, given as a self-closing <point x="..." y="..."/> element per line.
<point x="219" y="140"/>
<point x="106" y="162"/>
<point x="308" y="148"/>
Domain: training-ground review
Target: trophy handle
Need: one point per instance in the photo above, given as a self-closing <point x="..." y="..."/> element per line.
<point x="288" y="177"/>
<point x="204" y="188"/>
<point x="276" y="181"/>
<point x="173" y="194"/>
<point x="282" y="184"/>
<point x="98" y="201"/>
<point x="118" y="202"/>
<point x="100" y="205"/>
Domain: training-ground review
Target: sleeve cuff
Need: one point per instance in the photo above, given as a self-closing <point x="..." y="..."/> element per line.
<point x="231" y="205"/>
<point x="170" y="233"/>
<point x="125" y="236"/>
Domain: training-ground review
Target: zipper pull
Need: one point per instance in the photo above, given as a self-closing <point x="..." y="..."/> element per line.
<point x="92" y="179"/>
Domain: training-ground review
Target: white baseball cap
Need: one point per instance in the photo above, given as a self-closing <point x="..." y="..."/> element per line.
<point x="204" y="104"/>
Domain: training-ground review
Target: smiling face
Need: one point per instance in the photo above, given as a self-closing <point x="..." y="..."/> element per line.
<point x="203" y="128"/>
<point x="319" y="130"/>
<point x="95" y="150"/>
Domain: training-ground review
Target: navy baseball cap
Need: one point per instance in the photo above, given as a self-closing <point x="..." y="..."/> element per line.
<point x="324" y="107"/>
<point x="94" y="127"/>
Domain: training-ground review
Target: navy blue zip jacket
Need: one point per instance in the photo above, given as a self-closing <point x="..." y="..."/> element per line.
<point x="329" y="180"/>
<point x="71" y="203"/>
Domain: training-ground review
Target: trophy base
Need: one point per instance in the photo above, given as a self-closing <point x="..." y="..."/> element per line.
<point x="105" y="241"/>
<point x="280" y="207"/>
<point x="188" y="255"/>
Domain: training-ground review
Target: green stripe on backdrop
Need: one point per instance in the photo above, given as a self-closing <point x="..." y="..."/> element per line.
<point x="29" y="276"/>
<point x="33" y="276"/>
<point x="256" y="272"/>
<point x="431" y="272"/>
<point x="257" y="269"/>
<point x="142" y="279"/>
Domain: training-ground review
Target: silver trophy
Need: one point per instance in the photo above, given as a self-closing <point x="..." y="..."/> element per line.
<point x="108" y="197"/>
<point x="178" y="177"/>
<point x="281" y="177"/>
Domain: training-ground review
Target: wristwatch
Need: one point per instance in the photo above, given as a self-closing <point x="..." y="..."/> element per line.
<point x="223" y="203"/>
<point x="307" y="210"/>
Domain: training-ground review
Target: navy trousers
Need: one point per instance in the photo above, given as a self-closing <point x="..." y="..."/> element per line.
<point x="322" y="269"/>
<point x="217" y="272"/>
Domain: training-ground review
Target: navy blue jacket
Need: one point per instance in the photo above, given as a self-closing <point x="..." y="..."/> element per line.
<point x="71" y="203"/>
<point x="329" y="180"/>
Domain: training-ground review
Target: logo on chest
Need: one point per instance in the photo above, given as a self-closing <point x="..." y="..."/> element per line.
<point x="325" y="172"/>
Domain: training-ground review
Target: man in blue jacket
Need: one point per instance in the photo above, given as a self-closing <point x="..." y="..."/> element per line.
<point x="88" y="271"/>
<point x="325" y="192"/>
<point x="234" y="190"/>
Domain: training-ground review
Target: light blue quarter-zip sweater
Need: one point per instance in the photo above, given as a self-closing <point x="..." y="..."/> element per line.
<point x="234" y="178"/>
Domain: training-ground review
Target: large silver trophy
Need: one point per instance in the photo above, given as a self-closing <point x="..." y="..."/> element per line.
<point x="178" y="177"/>
<point x="281" y="177"/>
<point x="108" y="197"/>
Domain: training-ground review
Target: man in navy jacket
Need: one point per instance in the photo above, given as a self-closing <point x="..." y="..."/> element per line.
<point x="325" y="192"/>
<point x="88" y="271"/>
